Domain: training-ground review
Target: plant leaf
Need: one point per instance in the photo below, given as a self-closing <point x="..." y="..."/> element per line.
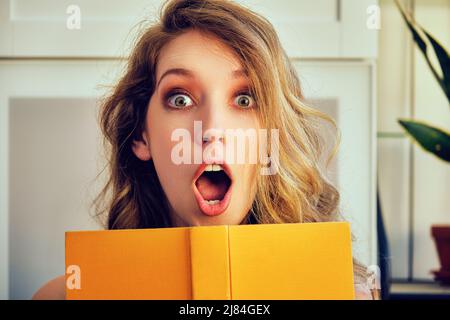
<point x="432" y="139"/>
<point x="417" y="37"/>
<point x="444" y="61"/>
<point x="441" y="53"/>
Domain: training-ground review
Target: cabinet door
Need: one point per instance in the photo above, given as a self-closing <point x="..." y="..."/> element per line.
<point x="64" y="28"/>
<point x="60" y="28"/>
<point x="322" y="28"/>
<point x="49" y="159"/>
<point x="343" y="91"/>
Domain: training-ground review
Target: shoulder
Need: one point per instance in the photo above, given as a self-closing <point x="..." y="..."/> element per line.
<point x="55" y="289"/>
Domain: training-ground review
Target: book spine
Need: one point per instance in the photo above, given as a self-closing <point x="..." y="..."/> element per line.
<point x="210" y="268"/>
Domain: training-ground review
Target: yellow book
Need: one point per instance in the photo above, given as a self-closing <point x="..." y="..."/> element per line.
<point x="264" y="261"/>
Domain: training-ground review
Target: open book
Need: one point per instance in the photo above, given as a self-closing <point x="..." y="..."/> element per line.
<point x="265" y="261"/>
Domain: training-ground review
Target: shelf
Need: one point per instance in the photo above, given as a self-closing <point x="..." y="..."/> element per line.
<point x="419" y="290"/>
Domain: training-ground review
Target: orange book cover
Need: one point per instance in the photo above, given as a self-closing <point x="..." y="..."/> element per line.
<point x="264" y="261"/>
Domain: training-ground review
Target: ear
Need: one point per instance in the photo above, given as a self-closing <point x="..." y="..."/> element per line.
<point x="141" y="148"/>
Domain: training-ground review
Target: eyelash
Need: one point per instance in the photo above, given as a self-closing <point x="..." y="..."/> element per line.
<point x="174" y="92"/>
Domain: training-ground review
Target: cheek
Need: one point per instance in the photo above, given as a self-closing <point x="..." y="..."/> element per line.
<point x="244" y="119"/>
<point x="173" y="178"/>
<point x="160" y="141"/>
<point x="160" y="126"/>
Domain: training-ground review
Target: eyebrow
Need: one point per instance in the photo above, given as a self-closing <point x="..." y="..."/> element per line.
<point x="190" y="74"/>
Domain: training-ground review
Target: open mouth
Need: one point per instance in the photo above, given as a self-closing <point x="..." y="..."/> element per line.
<point x="212" y="188"/>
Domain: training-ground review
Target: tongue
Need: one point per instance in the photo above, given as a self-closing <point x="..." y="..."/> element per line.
<point x="212" y="187"/>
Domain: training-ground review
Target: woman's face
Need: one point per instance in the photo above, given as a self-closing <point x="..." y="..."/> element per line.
<point x="199" y="79"/>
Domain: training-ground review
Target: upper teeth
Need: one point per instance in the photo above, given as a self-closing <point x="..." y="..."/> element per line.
<point x="213" y="167"/>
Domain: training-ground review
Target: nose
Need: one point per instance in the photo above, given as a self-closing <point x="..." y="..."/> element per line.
<point x="213" y="146"/>
<point x="213" y="116"/>
<point x="213" y="119"/>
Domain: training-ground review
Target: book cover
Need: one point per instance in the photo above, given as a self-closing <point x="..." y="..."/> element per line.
<point x="227" y="262"/>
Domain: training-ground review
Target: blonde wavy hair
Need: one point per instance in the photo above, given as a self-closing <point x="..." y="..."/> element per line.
<point x="299" y="192"/>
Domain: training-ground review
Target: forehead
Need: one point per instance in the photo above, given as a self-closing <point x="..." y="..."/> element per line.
<point x="199" y="52"/>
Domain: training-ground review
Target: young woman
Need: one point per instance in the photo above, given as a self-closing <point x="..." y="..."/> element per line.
<point x="218" y="64"/>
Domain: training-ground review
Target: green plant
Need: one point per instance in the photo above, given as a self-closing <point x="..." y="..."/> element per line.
<point x="432" y="139"/>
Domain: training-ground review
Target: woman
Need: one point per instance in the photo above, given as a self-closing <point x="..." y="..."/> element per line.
<point x="218" y="64"/>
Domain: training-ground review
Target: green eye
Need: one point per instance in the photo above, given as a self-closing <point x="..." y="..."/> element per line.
<point x="244" y="101"/>
<point x="180" y="101"/>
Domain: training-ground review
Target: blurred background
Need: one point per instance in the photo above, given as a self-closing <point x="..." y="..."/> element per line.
<point x="356" y="60"/>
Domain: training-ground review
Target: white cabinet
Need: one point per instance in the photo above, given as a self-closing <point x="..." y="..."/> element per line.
<point x="50" y="136"/>
<point x="49" y="160"/>
<point x="49" y="28"/>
